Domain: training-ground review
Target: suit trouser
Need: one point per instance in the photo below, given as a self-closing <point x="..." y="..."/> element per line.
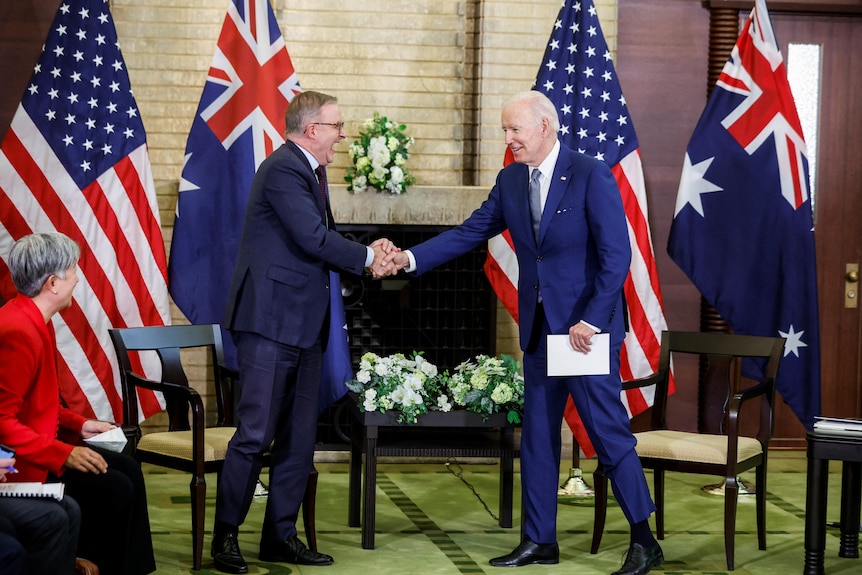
<point x="47" y="530"/>
<point x="605" y="420"/>
<point x="278" y="408"/>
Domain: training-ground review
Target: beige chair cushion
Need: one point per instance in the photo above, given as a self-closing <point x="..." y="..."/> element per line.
<point x="685" y="446"/>
<point x="179" y="443"/>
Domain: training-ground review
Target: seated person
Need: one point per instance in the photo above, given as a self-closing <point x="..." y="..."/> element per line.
<point x="108" y="487"/>
<point x="37" y="536"/>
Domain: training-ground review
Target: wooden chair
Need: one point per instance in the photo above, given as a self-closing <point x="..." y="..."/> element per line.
<point x="727" y="454"/>
<point x="197" y="446"/>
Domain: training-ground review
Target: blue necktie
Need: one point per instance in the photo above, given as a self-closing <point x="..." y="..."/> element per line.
<point x="536" y="201"/>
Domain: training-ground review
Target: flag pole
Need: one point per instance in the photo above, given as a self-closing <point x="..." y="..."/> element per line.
<point x="575" y="486"/>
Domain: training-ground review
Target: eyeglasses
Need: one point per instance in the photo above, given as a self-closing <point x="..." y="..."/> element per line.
<point x="339" y="126"/>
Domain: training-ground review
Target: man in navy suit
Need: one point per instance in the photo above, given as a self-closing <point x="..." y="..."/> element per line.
<point x="277" y="312"/>
<point x="571" y="273"/>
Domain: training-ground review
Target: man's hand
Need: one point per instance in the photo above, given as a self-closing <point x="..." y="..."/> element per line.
<point x="86" y="460"/>
<point x="93" y="427"/>
<point x="397" y="260"/>
<point x="380" y="266"/>
<point x="383" y="243"/>
<point x="580" y="336"/>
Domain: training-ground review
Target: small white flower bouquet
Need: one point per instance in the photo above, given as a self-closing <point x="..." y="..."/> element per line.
<point x="489" y="385"/>
<point x="412" y="386"/>
<point x="380" y="158"/>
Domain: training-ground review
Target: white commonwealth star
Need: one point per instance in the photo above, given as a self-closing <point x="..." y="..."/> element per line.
<point x="692" y="184"/>
<point x="185" y="185"/>
<point x="794" y="341"/>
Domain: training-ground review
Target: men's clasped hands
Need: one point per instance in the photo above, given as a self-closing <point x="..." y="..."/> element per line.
<point x="388" y="259"/>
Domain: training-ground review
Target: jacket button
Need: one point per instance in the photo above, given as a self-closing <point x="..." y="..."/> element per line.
<point x="539" y="259"/>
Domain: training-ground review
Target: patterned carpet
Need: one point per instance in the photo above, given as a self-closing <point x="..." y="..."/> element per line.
<point x="439" y="519"/>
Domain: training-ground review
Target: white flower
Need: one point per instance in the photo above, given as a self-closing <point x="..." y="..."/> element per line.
<point x="383" y="145"/>
<point x="443" y="403"/>
<point x="360" y="183"/>
<point x="396" y="175"/>
<point x="364" y="376"/>
<point x="428" y="368"/>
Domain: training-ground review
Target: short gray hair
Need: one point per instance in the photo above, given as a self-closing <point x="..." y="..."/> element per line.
<point x="540" y="106"/>
<point x="37" y="257"/>
<point x="303" y="109"/>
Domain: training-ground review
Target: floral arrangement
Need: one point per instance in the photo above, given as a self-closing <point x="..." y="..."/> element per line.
<point x="489" y="385"/>
<point x="412" y="386"/>
<point x="380" y="157"/>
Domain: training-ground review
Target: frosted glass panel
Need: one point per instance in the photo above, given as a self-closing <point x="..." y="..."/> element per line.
<point x="803" y="72"/>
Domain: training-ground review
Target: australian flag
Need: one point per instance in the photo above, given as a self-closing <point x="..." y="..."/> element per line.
<point x="239" y="122"/>
<point x="743" y="227"/>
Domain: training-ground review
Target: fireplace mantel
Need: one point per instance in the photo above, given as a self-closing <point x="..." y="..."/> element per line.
<point x="420" y="205"/>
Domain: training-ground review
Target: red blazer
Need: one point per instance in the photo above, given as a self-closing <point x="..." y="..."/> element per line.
<point x="30" y="409"/>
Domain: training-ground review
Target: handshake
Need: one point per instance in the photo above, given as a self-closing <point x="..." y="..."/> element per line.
<point x="388" y="259"/>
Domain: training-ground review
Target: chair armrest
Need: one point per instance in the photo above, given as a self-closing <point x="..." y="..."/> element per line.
<point x="164" y="386"/>
<point x="644" y="381"/>
<point x="754" y="391"/>
<point x="763" y="390"/>
<point x="187" y="394"/>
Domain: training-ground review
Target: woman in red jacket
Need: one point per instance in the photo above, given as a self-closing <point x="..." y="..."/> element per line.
<point x="109" y="487"/>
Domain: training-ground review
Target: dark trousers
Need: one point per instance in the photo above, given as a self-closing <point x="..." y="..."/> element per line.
<point x="115" y="524"/>
<point x="276" y="412"/>
<point x="605" y="420"/>
<point x="43" y="532"/>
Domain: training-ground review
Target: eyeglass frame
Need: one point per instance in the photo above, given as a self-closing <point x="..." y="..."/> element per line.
<point x="338" y="126"/>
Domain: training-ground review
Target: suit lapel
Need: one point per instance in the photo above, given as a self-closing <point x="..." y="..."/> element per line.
<point x="559" y="182"/>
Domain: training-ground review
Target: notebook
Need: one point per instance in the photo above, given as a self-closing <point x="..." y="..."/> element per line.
<point x="32" y="489"/>
<point x="838" y="425"/>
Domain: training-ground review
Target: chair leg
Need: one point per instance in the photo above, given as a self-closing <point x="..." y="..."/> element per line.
<point x="198" y="488"/>
<point x="658" y="483"/>
<point x="600" y="509"/>
<point x="731" y="495"/>
<point x="308" y="504"/>
<point x="760" y="495"/>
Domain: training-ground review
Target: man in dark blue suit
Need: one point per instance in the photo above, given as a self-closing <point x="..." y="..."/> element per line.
<point x="277" y="313"/>
<point x="573" y="257"/>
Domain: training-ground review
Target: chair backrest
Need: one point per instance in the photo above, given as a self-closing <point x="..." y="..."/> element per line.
<point x="720" y="355"/>
<point x="167" y="342"/>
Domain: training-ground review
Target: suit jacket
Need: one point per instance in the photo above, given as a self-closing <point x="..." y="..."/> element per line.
<point x="582" y="256"/>
<point x="30" y="409"/>
<point x="280" y="286"/>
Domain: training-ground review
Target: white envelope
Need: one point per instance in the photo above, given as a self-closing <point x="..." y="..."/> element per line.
<point x="563" y="360"/>
<point x="112" y="440"/>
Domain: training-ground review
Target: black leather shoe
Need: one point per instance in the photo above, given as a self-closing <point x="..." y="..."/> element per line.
<point x="639" y="560"/>
<point x="225" y="552"/>
<point x="528" y="553"/>
<point x="292" y="551"/>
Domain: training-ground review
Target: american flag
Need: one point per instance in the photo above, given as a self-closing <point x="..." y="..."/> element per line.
<point x="577" y="74"/>
<point x="75" y="160"/>
<point x="743" y="226"/>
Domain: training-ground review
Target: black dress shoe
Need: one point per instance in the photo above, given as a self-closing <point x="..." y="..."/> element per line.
<point x="292" y="551"/>
<point x="528" y="553"/>
<point x="225" y="552"/>
<point x="639" y="560"/>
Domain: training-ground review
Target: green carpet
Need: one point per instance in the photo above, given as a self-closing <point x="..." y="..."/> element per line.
<point x="438" y="519"/>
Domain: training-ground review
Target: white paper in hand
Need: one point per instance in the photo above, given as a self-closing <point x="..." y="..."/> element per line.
<point x="112" y="440"/>
<point x="563" y="360"/>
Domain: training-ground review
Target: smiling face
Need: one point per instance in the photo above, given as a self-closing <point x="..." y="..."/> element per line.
<point x="529" y="136"/>
<point x="326" y="131"/>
